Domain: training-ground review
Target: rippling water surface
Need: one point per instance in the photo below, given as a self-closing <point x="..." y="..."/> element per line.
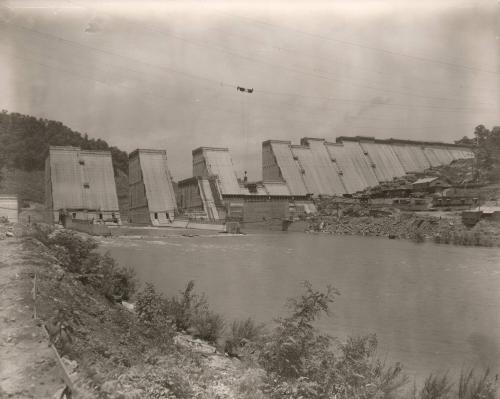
<point x="433" y="307"/>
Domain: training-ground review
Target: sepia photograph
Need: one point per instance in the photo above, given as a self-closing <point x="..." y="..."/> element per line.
<point x="236" y="199"/>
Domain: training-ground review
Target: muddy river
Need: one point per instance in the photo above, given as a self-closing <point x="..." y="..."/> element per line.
<point x="435" y="308"/>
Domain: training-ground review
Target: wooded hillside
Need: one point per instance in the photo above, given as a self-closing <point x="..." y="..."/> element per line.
<point x="24" y="142"/>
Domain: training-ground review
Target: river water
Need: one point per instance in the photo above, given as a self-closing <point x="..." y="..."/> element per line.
<point x="435" y="308"/>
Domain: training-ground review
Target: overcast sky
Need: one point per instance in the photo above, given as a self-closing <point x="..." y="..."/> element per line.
<point x="164" y="74"/>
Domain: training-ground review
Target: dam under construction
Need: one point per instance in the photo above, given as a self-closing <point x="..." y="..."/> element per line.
<point x="350" y="164"/>
<point x="292" y="176"/>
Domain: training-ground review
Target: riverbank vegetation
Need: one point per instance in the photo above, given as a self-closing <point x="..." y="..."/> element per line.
<point x="178" y="347"/>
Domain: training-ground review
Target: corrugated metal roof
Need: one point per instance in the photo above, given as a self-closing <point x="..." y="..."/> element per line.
<point x="488" y="209"/>
<point x="290" y="171"/>
<point x="425" y="180"/>
<point x="157" y="181"/>
<point x="276" y="188"/>
<point x="82" y="179"/>
<point x="261" y="190"/>
<point x="219" y="162"/>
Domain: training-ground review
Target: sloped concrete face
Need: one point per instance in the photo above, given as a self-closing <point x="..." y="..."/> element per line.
<point x="407" y="158"/>
<point x="361" y="163"/>
<point x="279" y="164"/>
<point x="328" y="180"/>
<point x="152" y="194"/>
<point x="444" y="155"/>
<point x="212" y="161"/>
<point x="351" y="178"/>
<point x="432" y="156"/>
<point x="319" y="167"/>
<point x="80" y="180"/>
<point x="387" y="165"/>
<point x="98" y="173"/>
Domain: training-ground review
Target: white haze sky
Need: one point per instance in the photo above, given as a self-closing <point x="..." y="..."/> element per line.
<point x="163" y="74"/>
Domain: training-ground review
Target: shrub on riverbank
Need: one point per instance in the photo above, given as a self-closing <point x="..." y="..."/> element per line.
<point x="243" y="337"/>
<point x="76" y="254"/>
<point x="150" y="309"/>
<point x="300" y="362"/>
<point x="295" y="360"/>
<point x="470" y="386"/>
<point x="187" y="311"/>
<point x="463" y="237"/>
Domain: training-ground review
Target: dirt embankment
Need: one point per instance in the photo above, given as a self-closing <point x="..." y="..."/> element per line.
<point x="28" y="366"/>
<point x="447" y="228"/>
<point x="106" y="352"/>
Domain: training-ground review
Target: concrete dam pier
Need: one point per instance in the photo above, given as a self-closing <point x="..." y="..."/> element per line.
<point x="80" y="184"/>
<point x="351" y="164"/>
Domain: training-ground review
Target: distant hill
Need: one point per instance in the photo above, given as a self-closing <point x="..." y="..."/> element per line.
<point x="25" y="140"/>
<point x="24" y="144"/>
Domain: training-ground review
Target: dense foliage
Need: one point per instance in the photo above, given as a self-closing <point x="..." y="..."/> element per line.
<point x="24" y="142"/>
<point x="76" y="255"/>
<point x="487" y="143"/>
<point x="301" y="362"/>
<point x="294" y="361"/>
<point x="187" y="311"/>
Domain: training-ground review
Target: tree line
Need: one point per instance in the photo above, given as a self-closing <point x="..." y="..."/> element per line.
<point x="487" y="150"/>
<point x="25" y="140"/>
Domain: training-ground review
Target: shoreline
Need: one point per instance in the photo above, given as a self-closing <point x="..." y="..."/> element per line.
<point x="110" y="355"/>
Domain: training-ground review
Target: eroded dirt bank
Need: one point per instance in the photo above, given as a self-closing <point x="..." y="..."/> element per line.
<point x="27" y="365"/>
<point x="107" y="353"/>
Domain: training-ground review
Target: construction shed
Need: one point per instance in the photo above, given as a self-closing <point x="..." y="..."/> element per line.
<point x="152" y="196"/>
<point x="80" y="184"/>
<point x="9" y="208"/>
<point x="431" y="184"/>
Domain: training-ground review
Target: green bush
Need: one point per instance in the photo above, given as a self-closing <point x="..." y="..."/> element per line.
<point x="76" y="254"/>
<point x="472" y="387"/>
<point x="190" y="312"/>
<point x="77" y="248"/>
<point x="464" y="237"/>
<point x="40" y="232"/>
<point x="300" y="362"/>
<point x="436" y="387"/>
<point x="151" y="311"/>
<point x="186" y="312"/>
<point x="118" y="283"/>
<point x="183" y="308"/>
<point x="208" y="325"/>
<point x="243" y="336"/>
<point x="295" y="345"/>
